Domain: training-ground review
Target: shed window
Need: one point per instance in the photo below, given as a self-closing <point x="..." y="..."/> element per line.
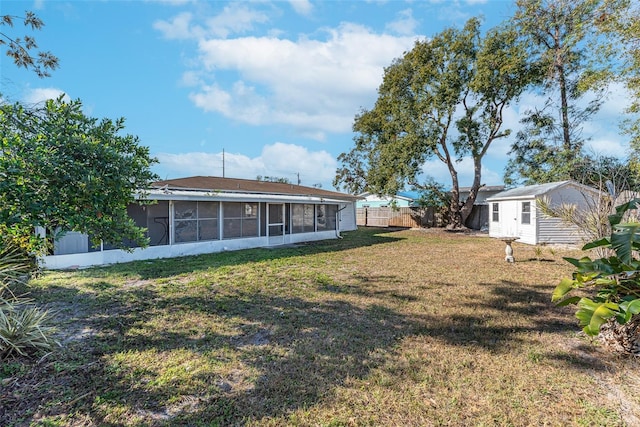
<point x="526" y="212"/>
<point x="495" y="212"/>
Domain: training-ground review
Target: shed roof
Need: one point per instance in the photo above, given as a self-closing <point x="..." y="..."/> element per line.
<point x="247" y="186"/>
<point x="532" y="191"/>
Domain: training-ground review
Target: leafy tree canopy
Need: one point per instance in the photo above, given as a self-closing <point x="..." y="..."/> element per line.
<point x="62" y="169"/>
<point x="619" y="22"/>
<point x="445" y="99"/>
<point x="22" y="50"/>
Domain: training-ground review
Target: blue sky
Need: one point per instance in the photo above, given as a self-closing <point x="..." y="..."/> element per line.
<point x="275" y="84"/>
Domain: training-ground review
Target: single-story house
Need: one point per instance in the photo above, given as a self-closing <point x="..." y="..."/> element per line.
<point x="204" y="214"/>
<point x="484" y="193"/>
<point x="479" y="217"/>
<point x="403" y="199"/>
<point x="515" y="212"/>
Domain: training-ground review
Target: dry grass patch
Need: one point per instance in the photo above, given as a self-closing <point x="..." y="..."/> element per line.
<point x="383" y="327"/>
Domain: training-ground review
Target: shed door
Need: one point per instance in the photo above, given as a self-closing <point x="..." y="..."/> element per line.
<point x="510" y="218"/>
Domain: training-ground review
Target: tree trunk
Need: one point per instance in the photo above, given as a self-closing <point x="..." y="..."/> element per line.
<point x="467" y="205"/>
<point x="623" y="339"/>
<point x="564" y="102"/>
<point x="457" y="220"/>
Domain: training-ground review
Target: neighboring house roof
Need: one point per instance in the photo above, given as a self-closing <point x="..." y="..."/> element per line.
<point x="246" y="186"/>
<point x="484" y="188"/>
<point x="532" y="191"/>
<point x="409" y="196"/>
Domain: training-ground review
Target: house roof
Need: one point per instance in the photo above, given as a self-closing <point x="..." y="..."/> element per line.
<point x="484" y="188"/>
<point x="409" y="195"/>
<point x="246" y="186"/>
<point x="403" y="195"/>
<point x="532" y="191"/>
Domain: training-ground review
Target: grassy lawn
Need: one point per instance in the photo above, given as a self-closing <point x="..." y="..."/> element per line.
<point x="383" y="327"/>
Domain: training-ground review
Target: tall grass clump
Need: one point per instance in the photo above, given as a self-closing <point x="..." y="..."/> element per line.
<point x="23" y="329"/>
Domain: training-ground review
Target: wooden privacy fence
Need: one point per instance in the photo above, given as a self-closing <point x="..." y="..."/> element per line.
<point x="399" y="217"/>
<point x="416" y="217"/>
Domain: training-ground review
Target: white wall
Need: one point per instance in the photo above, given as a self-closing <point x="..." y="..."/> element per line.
<point x="554" y="231"/>
<point x="347" y="217"/>
<point x="510" y="221"/>
<point x="81" y="260"/>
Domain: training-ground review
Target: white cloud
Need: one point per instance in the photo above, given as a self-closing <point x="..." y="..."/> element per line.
<point x="313" y="166"/>
<point x="610" y="145"/>
<point x="604" y="128"/>
<point x="617" y="100"/>
<point x="302" y="7"/>
<point x="208" y="164"/>
<point x="278" y="159"/>
<point x="236" y="18"/>
<point x="405" y="23"/>
<point x="191" y="79"/>
<point x="38" y="95"/>
<point x="316" y="86"/>
<point x="179" y="27"/>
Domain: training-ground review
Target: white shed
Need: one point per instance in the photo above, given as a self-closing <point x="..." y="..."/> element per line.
<point x="515" y="213"/>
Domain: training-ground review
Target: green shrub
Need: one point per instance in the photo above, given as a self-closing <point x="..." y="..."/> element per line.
<point x="614" y="279"/>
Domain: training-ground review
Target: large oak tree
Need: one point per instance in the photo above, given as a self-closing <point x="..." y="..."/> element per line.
<point x="445" y="99"/>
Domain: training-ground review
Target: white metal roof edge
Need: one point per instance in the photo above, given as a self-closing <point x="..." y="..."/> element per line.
<point x="526" y="196"/>
<point x="541" y="190"/>
<point x="235" y="197"/>
<point x="167" y="188"/>
<point x="388" y="198"/>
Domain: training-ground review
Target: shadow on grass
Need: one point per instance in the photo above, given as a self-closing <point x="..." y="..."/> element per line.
<point x="296" y="351"/>
<point x="502" y="319"/>
<point x="300" y="351"/>
<point x="159" y="268"/>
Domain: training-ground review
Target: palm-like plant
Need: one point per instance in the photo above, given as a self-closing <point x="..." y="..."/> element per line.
<point x="615" y="279"/>
<point x="22" y="325"/>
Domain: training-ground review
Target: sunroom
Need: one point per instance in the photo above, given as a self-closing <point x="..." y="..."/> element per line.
<point x="232" y="215"/>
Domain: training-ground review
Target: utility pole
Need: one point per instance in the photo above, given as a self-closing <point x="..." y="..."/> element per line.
<point x="223" y="162"/>
<point x="298" y="177"/>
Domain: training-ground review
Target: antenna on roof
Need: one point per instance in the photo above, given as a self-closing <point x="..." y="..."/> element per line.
<point x="223" y="162"/>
